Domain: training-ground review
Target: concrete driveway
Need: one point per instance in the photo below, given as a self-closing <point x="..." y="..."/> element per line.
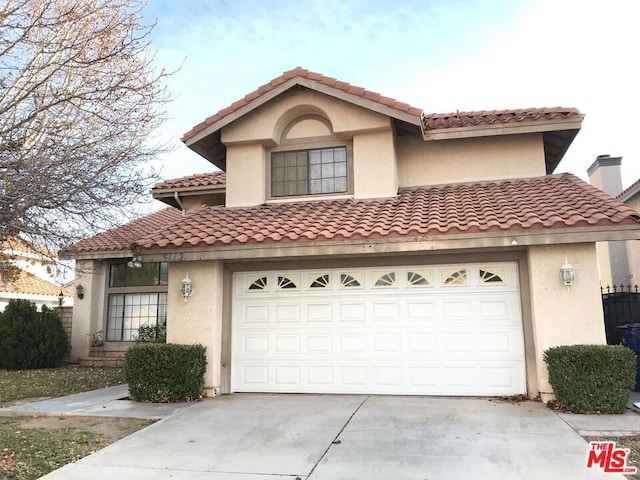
<point x="322" y="437"/>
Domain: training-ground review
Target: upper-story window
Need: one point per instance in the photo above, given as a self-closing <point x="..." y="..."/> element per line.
<point x="314" y="171"/>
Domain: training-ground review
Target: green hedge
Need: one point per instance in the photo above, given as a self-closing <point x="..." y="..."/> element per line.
<point x="591" y="378"/>
<point x="31" y="339"/>
<point x="164" y="373"/>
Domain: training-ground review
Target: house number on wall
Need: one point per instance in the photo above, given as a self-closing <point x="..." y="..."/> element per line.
<point x="174" y="257"/>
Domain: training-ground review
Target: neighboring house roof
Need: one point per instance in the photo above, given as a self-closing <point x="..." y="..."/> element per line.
<point x="551" y="202"/>
<point x="21" y="282"/>
<point x="630" y="192"/>
<point x="198" y="180"/>
<point x="122" y="238"/>
<point x="17" y="246"/>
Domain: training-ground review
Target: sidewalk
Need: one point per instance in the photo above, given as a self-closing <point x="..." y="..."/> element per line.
<point x="624" y="425"/>
<point x="106" y="402"/>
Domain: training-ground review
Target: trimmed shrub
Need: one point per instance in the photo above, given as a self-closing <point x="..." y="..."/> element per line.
<point x="591" y="378"/>
<point x="31" y="339"/>
<point x="163" y="373"/>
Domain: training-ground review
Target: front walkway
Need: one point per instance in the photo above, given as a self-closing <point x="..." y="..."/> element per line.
<point x="106" y="402"/>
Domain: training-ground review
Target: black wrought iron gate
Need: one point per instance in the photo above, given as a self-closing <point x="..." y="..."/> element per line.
<point x="621" y="306"/>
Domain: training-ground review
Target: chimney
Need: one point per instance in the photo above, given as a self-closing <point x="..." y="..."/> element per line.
<point x="605" y="174"/>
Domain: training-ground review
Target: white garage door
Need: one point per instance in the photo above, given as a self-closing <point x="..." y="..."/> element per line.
<point x="431" y="330"/>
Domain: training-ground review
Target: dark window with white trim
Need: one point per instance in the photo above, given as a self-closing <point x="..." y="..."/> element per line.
<point x="309" y="172"/>
<point x="136" y="296"/>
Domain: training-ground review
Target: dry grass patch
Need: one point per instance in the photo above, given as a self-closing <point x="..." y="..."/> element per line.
<point x="20" y="385"/>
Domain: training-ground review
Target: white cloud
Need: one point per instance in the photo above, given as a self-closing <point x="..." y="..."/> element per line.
<point x="440" y="56"/>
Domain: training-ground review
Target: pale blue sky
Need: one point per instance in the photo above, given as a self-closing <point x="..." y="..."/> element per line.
<point x="439" y="56"/>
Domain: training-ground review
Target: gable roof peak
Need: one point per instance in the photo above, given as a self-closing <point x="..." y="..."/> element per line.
<point x="312" y="80"/>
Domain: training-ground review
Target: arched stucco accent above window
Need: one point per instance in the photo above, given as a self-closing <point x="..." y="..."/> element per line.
<point x="302" y="122"/>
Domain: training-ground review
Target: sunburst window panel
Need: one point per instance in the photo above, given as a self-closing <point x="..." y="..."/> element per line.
<point x="258" y="284"/>
<point x="455" y="276"/>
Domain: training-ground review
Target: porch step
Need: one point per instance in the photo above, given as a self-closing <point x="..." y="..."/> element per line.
<point x="101" y="361"/>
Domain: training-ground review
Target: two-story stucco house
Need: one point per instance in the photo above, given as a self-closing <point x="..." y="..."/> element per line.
<point x="352" y="243"/>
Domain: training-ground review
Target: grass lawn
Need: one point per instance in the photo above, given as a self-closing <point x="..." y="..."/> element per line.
<point x="29" y="453"/>
<point x="55" y="382"/>
<point x="32" y="446"/>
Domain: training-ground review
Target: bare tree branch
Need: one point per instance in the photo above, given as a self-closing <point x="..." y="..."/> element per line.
<point x="80" y="101"/>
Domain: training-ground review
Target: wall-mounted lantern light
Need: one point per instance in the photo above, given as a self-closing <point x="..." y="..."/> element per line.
<point x="186" y="287"/>
<point x="80" y="291"/>
<point x="60" y="298"/>
<point x="135" y="262"/>
<point x="567" y="274"/>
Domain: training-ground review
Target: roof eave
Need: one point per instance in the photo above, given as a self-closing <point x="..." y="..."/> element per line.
<point x="197" y="142"/>
<point x="398" y="245"/>
<point x="628" y="195"/>
<point x="513" y="128"/>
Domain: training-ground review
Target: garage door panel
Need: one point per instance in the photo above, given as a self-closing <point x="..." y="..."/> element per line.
<point x="317" y="312"/>
<point x="255" y="344"/>
<point x="454" y="309"/>
<point x="367" y="331"/>
<point x="351" y="312"/>
<point x="497" y="377"/>
<point x="320" y="343"/>
<point x="256" y="376"/>
<point x="287" y="344"/>
<point x="255" y="313"/>
<point x="386" y="311"/>
<point x="419" y="343"/>
<point x="352" y="343"/>
<point x="420" y="311"/>
<point x="287" y="313"/>
<point x="287" y="376"/>
<point x="320" y="376"/>
<point x="353" y="376"/>
<point x="387" y="343"/>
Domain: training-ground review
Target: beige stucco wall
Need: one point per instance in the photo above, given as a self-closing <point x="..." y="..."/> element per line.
<point x="246" y="175"/>
<point x="633" y="247"/>
<point x="561" y="316"/>
<point x="604" y="264"/>
<point x="266" y="124"/>
<point x="250" y="139"/>
<point x="468" y="160"/>
<point x="88" y="312"/>
<point x="374" y="165"/>
<point x="199" y="319"/>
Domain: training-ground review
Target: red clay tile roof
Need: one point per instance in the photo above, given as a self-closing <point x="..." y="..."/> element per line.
<point x="199" y="180"/>
<point x="27" y="283"/>
<point x="122" y="238"/>
<point x="490" y="117"/>
<point x="549" y="202"/>
<point x="628" y="190"/>
<point x="303" y="73"/>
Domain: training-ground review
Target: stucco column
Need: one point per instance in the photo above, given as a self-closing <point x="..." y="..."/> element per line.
<point x="561" y="316"/>
<point x="88" y="312"/>
<point x="199" y="319"/>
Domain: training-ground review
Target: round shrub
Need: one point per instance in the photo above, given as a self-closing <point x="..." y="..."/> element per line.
<point x="164" y="373"/>
<point x="591" y="378"/>
<point x="31" y="339"/>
